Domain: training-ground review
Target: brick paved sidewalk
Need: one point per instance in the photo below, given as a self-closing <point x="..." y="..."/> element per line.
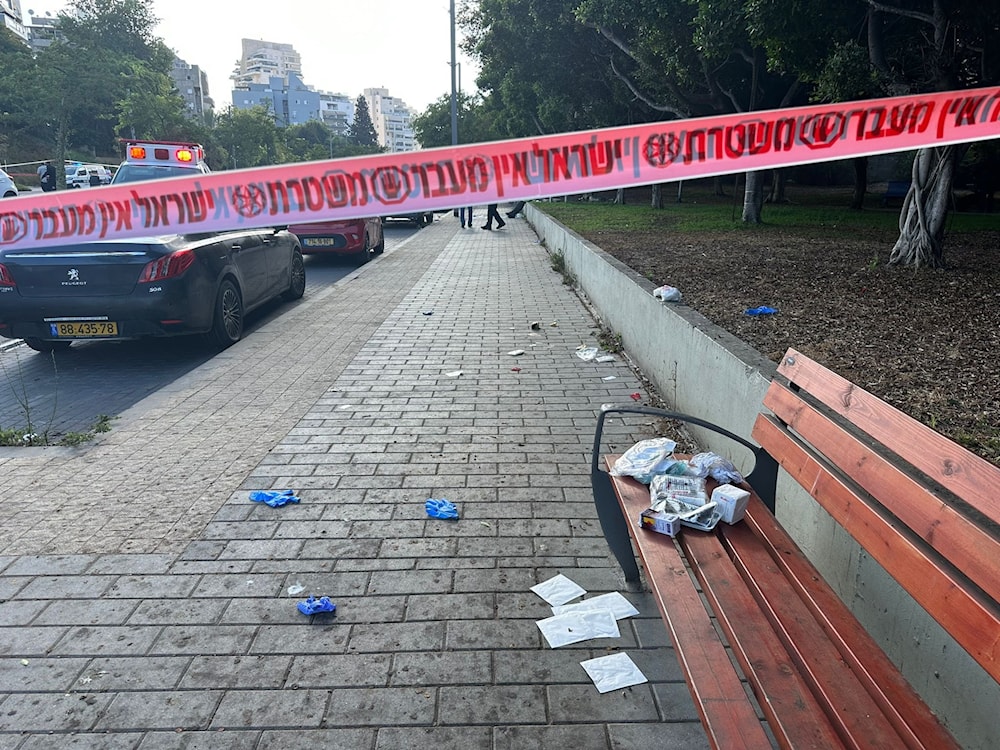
<point x="144" y="600"/>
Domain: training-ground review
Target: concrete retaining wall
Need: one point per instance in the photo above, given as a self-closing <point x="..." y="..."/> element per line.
<point x="703" y="370"/>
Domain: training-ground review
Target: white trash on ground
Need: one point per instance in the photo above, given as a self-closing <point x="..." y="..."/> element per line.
<point x="614" y="602"/>
<point x="558" y="590"/>
<point x="613" y="672"/>
<point x="573" y="627"/>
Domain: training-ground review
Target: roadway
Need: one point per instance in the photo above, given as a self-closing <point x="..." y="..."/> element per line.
<point x="51" y="395"/>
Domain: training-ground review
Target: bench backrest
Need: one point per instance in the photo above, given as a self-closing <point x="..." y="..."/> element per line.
<point x="922" y="506"/>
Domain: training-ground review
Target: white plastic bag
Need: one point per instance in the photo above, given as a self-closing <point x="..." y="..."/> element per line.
<point x="667" y="293"/>
<point x="646" y="459"/>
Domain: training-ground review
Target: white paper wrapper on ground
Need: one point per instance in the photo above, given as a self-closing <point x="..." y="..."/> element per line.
<point x="558" y="590"/>
<point x="619" y="606"/>
<point x="613" y="672"/>
<point x="573" y="627"/>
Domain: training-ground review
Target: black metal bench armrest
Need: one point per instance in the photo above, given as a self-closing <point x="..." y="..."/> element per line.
<point x="763" y="476"/>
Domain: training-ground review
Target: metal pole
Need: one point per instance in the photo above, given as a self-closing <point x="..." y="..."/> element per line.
<point x="454" y="93"/>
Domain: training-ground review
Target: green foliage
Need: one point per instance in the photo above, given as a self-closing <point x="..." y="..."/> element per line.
<point x="362" y="131"/>
<point x="475" y="122"/>
<point x="247" y="137"/>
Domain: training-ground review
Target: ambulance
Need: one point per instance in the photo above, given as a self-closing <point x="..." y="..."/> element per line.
<point x="154" y="160"/>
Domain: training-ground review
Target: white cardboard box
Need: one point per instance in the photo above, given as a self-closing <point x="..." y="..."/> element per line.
<point x="731" y="502"/>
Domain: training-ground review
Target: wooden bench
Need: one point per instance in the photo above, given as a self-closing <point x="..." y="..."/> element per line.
<point x="895" y="189"/>
<point x="920" y="505"/>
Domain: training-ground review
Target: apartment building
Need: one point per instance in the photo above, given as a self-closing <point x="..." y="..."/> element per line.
<point x="393" y="120"/>
<point x="261" y="61"/>
<point x="192" y="85"/>
<point x="10" y="16"/>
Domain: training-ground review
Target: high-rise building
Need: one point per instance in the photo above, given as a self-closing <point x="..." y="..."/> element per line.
<point x="261" y="61"/>
<point x="288" y="99"/>
<point x="192" y="85"/>
<point x="10" y="16"/>
<point x="337" y="111"/>
<point x="393" y="120"/>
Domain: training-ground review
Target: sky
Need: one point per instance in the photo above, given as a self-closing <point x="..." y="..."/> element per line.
<point x="346" y="45"/>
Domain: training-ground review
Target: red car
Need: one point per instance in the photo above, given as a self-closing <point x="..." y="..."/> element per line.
<point x="357" y="238"/>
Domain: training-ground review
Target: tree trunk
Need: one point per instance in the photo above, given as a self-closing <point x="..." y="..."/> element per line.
<point x="753" y="198"/>
<point x="656" y="201"/>
<point x="777" y="193"/>
<point x="620" y="197"/>
<point x="925" y="209"/>
<point x="680" y="191"/>
<point x="860" y="182"/>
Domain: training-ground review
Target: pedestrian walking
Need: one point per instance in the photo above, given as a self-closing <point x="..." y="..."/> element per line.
<point x="47" y="177"/>
<point x="491" y="214"/>
<point x="465" y="216"/>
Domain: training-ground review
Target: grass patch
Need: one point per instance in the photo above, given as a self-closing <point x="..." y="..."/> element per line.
<point x="810" y="212"/>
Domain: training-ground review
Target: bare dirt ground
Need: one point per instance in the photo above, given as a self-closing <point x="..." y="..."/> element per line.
<point x="925" y="341"/>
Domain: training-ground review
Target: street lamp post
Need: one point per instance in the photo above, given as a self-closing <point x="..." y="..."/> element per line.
<point x="454" y="92"/>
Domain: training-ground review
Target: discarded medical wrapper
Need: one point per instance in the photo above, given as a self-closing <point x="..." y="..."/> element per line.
<point x="647" y="458"/>
<point x="762" y="310"/>
<point x="617" y="604"/>
<point x="573" y="627"/>
<point x="558" y="590"/>
<point x="588" y="353"/>
<point x="314" y="605"/>
<point x="613" y="672"/>
<point x="667" y="293"/>
<point x="684" y="497"/>
<point x="731" y="502"/>
<point x="441" y="508"/>
<point x="713" y="465"/>
<point x="274" y="498"/>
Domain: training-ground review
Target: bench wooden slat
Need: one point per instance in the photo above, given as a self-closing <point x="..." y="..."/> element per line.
<point x="719" y="693"/>
<point x="849" y="690"/>
<point x="970" y="477"/>
<point x="791" y="708"/>
<point x="956" y="537"/>
<point x="973" y="623"/>
<point x="874" y="670"/>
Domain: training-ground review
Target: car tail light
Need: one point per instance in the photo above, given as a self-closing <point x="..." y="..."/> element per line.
<point x="168" y="266"/>
<point x="5" y="278"/>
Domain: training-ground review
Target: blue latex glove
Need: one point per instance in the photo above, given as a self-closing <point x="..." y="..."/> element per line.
<point x="274" y="498"/>
<point x="441" y="509"/>
<point x="762" y="310"/>
<point x="312" y="605"/>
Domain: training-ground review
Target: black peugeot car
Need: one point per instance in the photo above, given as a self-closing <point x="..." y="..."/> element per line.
<point x="156" y="286"/>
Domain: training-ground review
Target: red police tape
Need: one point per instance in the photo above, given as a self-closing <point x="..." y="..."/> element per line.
<point x="519" y="169"/>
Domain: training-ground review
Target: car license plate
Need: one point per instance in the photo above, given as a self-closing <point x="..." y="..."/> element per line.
<point x="318" y="241"/>
<point x="84" y="329"/>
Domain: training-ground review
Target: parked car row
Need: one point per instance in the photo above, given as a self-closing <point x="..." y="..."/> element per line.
<point x="164" y="285"/>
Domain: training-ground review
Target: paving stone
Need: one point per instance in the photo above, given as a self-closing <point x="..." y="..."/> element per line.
<point x="149" y="586"/>
<point x="434" y="738"/>
<point x="328" y="739"/>
<point x="494" y="704"/>
<point x="208" y="672"/>
<point x="153" y="710"/>
<point x="381" y="706"/>
<point x="441" y="668"/>
<point x="103" y="741"/>
<point x="39" y="674"/>
<point x="204" y="740"/>
<point x="579" y="736"/>
<point x="396" y="636"/>
<point x="199" y="639"/>
<point x="569" y="703"/>
<point x="51" y="712"/>
<point x="322" y="636"/>
<point x="115" y="674"/>
<point x="336" y="670"/>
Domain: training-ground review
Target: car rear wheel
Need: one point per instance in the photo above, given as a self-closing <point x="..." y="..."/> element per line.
<point x="297" y="285"/>
<point x="41" y="345"/>
<point x="380" y="247"/>
<point x="227" y="326"/>
<point x="366" y="254"/>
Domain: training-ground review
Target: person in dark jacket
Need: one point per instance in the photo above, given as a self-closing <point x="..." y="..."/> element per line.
<point x="491" y="214"/>
<point x="48" y="177"/>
